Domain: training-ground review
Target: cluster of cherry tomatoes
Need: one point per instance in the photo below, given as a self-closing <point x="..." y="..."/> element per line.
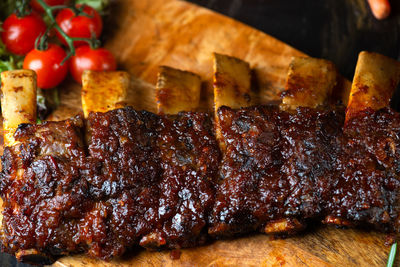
<point x="20" y="34"/>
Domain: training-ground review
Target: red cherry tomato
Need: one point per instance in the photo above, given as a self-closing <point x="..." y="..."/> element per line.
<point x="85" y="58"/>
<point x="79" y="26"/>
<point x="47" y="65"/>
<point x="19" y="34"/>
<point x="35" y="5"/>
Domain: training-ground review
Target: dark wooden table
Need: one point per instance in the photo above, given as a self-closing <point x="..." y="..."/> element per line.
<point x="333" y="29"/>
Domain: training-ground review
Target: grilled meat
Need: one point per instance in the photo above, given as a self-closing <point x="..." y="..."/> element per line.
<point x="41" y="185"/>
<point x="275" y="167"/>
<point x="367" y="187"/>
<point x="189" y="158"/>
<point x="141" y="178"/>
<point x="123" y="176"/>
<point x="290" y="167"/>
<point x="126" y="177"/>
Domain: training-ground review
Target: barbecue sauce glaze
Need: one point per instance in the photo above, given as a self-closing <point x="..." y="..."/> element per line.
<point x="126" y="178"/>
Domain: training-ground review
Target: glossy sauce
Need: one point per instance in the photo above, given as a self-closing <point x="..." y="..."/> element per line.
<point x="126" y="178"/>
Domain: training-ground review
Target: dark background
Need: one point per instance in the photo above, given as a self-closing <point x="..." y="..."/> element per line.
<point x="332" y="29"/>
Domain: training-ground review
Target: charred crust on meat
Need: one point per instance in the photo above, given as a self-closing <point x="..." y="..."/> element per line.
<point x="125" y="177"/>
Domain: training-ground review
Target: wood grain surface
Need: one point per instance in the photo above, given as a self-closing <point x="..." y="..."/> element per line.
<point x="182" y="35"/>
<point x="150" y="33"/>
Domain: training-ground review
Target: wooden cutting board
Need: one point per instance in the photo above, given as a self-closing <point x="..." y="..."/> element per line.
<point x="149" y="33"/>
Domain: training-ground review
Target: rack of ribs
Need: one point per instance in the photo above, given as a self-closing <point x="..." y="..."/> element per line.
<point x="114" y="177"/>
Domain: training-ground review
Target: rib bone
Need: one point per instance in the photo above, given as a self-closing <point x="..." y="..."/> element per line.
<point x="309" y="83"/>
<point x="18" y="101"/>
<point x="143" y="177"/>
<point x="18" y="106"/>
<point x="177" y="90"/>
<point x="375" y="80"/>
<point x="232" y="86"/>
<point x="103" y="91"/>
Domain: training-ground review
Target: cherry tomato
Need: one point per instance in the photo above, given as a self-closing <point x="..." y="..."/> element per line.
<point x="79" y="26"/>
<point x="19" y="34"/>
<point x="85" y="58"/>
<point x="47" y="65"/>
<point x="35" y="5"/>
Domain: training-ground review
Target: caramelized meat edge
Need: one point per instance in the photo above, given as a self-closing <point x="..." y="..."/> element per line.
<point x="125" y="178"/>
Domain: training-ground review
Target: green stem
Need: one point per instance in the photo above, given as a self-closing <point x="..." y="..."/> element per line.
<point x="41" y="41"/>
<point x="58" y="7"/>
<point x="392" y="255"/>
<point x="70" y="40"/>
<point x="21" y="8"/>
